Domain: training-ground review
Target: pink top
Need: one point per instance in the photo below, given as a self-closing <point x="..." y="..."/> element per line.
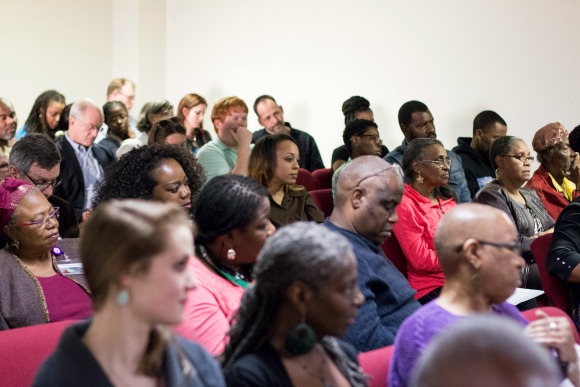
<point x="209" y="308"/>
<point x="65" y="299"/>
<point x="415" y="230"/>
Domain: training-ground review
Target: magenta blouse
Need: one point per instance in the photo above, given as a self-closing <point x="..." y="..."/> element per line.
<point x="65" y="299"/>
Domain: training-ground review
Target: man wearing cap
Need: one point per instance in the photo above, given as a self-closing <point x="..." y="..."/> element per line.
<point x="556" y="178"/>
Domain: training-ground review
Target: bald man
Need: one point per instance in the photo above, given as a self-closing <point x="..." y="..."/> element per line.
<point x="480" y="256"/>
<point x="485" y="351"/>
<point x="368" y="192"/>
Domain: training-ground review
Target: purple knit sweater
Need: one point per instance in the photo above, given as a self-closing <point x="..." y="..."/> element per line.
<point x="418" y="330"/>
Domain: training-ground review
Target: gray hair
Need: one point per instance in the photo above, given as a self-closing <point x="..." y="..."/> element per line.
<point x="79" y="108"/>
<point x="501" y="147"/>
<point x="34" y="148"/>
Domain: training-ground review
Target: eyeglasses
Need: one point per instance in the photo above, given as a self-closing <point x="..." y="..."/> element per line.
<point x="374" y="138"/>
<point x="438" y="163"/>
<point x="522" y="158"/>
<point x="516" y="247"/>
<point x="44" y="185"/>
<point x="395" y="167"/>
<point x="41" y="223"/>
<point x="129" y="97"/>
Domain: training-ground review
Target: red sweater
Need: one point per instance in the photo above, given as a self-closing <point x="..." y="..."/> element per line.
<point x="415" y="230"/>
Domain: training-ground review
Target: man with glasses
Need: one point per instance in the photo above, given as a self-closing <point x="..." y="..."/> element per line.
<point x="474" y="151"/>
<point x="82" y="162"/>
<point x="271" y="117"/>
<point x="368" y="192"/>
<point x="559" y="172"/>
<point x="122" y="90"/>
<point x="36" y="159"/>
<point x="480" y="255"/>
<point x="416" y="121"/>
<point x="361" y="138"/>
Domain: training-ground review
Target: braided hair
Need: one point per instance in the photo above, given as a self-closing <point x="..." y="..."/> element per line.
<point x="354" y="105"/>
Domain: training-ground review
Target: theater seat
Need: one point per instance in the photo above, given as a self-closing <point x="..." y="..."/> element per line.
<point x="376" y="364"/>
<point x="322" y="178"/>
<point x="305" y="179"/>
<point x="556" y="289"/>
<point x="22" y="350"/>
<point x="323" y="199"/>
<point x="393" y="251"/>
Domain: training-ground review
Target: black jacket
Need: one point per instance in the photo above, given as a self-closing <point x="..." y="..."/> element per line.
<point x="478" y="170"/>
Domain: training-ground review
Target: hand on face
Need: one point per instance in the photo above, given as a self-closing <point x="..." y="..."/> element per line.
<point x="243" y="136"/>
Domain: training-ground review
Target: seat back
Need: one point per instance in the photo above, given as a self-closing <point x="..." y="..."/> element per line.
<point x="376" y="364"/>
<point x="24" y="349"/>
<point x="323" y="200"/>
<point x="530" y="315"/>
<point x="393" y="251"/>
<point x="305" y="179"/>
<point x="556" y="290"/>
<point x="322" y="178"/>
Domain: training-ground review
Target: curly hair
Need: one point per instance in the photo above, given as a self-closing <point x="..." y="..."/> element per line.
<point x="354" y="105"/>
<point x="132" y="176"/>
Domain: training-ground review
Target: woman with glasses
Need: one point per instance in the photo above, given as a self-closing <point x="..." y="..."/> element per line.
<point x="361" y="138"/>
<point x="426" y="198"/>
<point x="510" y="156"/>
<point x="274" y="164"/>
<point x="42" y="281"/>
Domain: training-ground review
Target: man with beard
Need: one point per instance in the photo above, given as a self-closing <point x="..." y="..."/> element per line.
<point x="416" y="121"/>
<point x="271" y="116"/>
<point x="556" y="178"/>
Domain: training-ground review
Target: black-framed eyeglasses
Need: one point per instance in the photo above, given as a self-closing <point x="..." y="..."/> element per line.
<point x="395" y="167"/>
<point x="522" y="158"/>
<point x="374" y="138"/>
<point x="441" y="163"/>
<point x="516" y="247"/>
<point x="40" y="223"/>
<point x="44" y="185"/>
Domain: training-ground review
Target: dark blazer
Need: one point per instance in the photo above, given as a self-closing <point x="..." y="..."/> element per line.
<point x="72" y="188"/>
<point x="68" y="226"/>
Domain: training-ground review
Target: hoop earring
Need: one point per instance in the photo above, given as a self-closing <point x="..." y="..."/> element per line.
<point x="419" y="179"/>
<point x="231" y="254"/>
<point x="300" y="339"/>
<point x="15" y="245"/>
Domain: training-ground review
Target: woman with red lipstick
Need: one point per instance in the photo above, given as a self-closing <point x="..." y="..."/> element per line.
<point x="305" y="297"/>
<point x="160" y="172"/>
<point x="511" y="158"/>
<point x="40" y="283"/>
<point x="426" y="198"/>
<point x="274" y="164"/>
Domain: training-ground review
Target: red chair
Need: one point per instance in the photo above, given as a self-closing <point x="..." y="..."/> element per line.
<point x="322" y="178"/>
<point x="305" y="179"/>
<point x="323" y="200"/>
<point x="393" y="251"/>
<point x="376" y="364"/>
<point x="530" y="315"/>
<point x="24" y="349"/>
<point x="556" y="290"/>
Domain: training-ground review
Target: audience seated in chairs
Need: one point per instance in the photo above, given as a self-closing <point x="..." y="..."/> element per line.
<point x="160" y="172"/>
<point x="40" y="280"/>
<point x="427" y="197"/>
<point x="482" y="267"/>
<point x="511" y="158"/>
<point x="190" y="112"/>
<point x="233" y="224"/>
<point x="274" y="164"/>
<point x="282" y="333"/>
<point x="135" y="255"/>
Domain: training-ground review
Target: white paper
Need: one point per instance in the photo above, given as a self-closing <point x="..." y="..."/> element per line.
<point x="522" y="295"/>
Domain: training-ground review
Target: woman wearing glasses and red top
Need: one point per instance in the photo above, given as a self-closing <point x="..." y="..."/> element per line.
<point x="41" y="279"/>
<point x="425" y="199"/>
<point x="511" y="158"/>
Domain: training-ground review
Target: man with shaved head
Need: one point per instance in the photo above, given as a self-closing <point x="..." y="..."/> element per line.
<point x="480" y="255"/>
<point x="368" y="192"/>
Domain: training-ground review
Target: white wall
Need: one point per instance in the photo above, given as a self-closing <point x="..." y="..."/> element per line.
<point x="519" y="57"/>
